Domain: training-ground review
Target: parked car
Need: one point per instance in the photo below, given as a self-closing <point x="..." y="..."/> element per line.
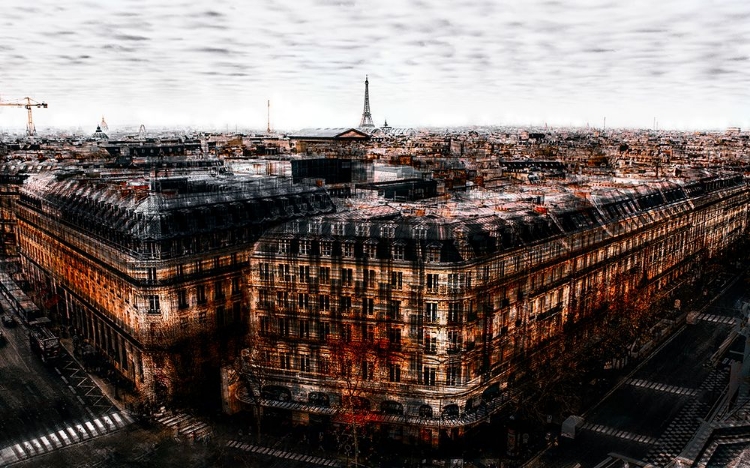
<point x="9" y="321"/>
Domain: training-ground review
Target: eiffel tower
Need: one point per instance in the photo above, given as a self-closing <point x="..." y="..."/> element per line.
<point x="366" y="117"/>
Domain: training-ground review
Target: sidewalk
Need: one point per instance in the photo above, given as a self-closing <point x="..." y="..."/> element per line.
<point x="124" y="401"/>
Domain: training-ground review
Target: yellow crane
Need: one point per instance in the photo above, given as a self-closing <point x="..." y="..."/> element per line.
<point x="28" y="103"/>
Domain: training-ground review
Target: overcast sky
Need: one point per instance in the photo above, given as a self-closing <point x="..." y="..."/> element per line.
<point x="199" y="63"/>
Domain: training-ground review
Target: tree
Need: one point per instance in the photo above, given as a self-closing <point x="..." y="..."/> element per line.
<point x="352" y="364"/>
<point x="254" y="368"/>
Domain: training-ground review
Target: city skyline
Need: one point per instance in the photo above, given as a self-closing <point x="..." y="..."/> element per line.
<point x="683" y="64"/>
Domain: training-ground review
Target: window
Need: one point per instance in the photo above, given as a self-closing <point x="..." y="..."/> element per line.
<point x="235" y="285"/>
<point x="428" y="377"/>
<point x="284" y="274"/>
<point x="420" y="232"/>
<point x="202" y="317"/>
<point x="430" y="312"/>
<point x="345" y="303"/>
<point x="433" y="253"/>
<point x="216" y="263"/>
<point x="198" y="266"/>
<point x="305" y="247"/>
<point x="285" y="361"/>
<point x="200" y="293"/>
<point x="397" y="279"/>
<point x="347" y="249"/>
<point x="218" y="290"/>
<point x="388" y="230"/>
<point x="283" y="246"/>
<point x="337" y="229"/>
<point x="370" y="249"/>
<point x="455" y="280"/>
<point x="453" y="375"/>
<point x="265" y="271"/>
<point x="347" y="277"/>
<point x="368" y="278"/>
<point x="394" y="310"/>
<point x="454" y="340"/>
<point x="324" y="302"/>
<point x="455" y="312"/>
<point x="303" y="300"/>
<point x="362" y="229"/>
<point x="265" y="326"/>
<point x="368" y="306"/>
<point x="398" y="252"/>
<point x="326" y="247"/>
<point x="430" y="342"/>
<point x="182" y="301"/>
<point x="151" y="274"/>
<point x="180" y="271"/>
<point x="304" y="329"/>
<point x="370" y="333"/>
<point x="324" y="275"/>
<point x="432" y="281"/>
<point x="153" y="305"/>
<point x="283" y="325"/>
<point x="324" y="329"/>
<point x="304" y="363"/>
<point x="304" y="273"/>
<point x="394" y="373"/>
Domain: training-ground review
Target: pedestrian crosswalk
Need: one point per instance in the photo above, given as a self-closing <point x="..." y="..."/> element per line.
<point x="68" y="435"/>
<point x="299" y="457"/>
<point x="185" y="425"/>
<point x="687" y="422"/>
<point x="662" y="387"/>
<point x="611" y="431"/>
<point x="716" y="318"/>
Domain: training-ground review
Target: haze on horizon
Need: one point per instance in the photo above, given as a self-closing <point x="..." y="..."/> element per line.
<point x="215" y="64"/>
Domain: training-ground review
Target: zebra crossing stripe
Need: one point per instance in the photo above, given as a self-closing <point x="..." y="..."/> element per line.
<point x="46" y="443"/>
<point x="110" y="425"/>
<point x="73" y="434"/>
<point x="100" y="426"/>
<point x="64" y="437"/>
<point x="91" y="428"/>
<point x="19" y="451"/>
<point x="53" y="437"/>
<point x="118" y="420"/>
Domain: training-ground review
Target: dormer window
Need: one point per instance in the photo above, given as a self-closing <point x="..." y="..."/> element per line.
<point x="305" y="247"/>
<point x="388" y="231"/>
<point x="433" y="252"/>
<point x="337" y="229"/>
<point x="362" y="229"/>
<point x="370" y="248"/>
<point x="347" y="249"/>
<point x="420" y="232"/>
<point x="326" y="247"/>
<point x="315" y="227"/>
<point x="398" y="251"/>
<point x="283" y="246"/>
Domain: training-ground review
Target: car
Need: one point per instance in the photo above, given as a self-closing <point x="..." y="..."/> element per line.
<point x="9" y="321"/>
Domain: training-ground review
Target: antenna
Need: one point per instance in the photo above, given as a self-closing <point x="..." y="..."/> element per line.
<point x="268" y="128"/>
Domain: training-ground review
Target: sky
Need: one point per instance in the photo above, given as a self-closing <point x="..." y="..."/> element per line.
<point x="215" y="64"/>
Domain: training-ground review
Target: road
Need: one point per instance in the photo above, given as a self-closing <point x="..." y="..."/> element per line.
<point x="656" y="411"/>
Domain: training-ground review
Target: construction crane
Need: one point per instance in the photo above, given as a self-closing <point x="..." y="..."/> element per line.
<point x="28" y="104"/>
